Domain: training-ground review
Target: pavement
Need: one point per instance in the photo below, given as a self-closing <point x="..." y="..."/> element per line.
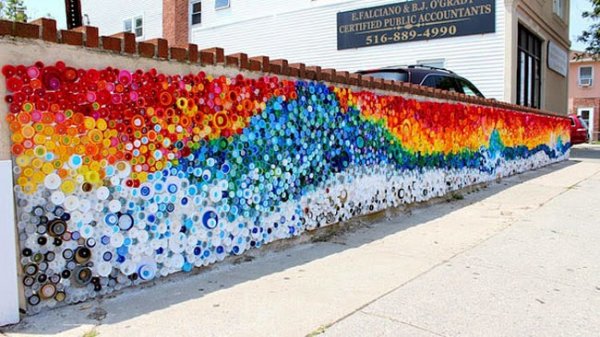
<point x="519" y="257"/>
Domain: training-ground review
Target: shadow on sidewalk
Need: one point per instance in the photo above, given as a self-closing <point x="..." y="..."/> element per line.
<point x="273" y="258"/>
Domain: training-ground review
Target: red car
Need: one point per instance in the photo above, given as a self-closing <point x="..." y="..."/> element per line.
<point x="579" y="130"/>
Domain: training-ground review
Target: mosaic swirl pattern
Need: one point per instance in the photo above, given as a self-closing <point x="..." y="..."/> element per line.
<point x="122" y="177"/>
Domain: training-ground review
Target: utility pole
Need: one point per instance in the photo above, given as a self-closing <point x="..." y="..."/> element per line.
<point x="73" y="11"/>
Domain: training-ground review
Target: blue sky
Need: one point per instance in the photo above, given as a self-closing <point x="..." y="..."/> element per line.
<point x="576" y="23"/>
<point x="41" y="8"/>
<point x="56" y="9"/>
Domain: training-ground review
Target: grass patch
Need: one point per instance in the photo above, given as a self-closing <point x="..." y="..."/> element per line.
<point x="317" y="331"/>
<point x="455" y="196"/>
<point x="91" y="333"/>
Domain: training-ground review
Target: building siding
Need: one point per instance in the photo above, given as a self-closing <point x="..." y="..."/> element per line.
<point x="577" y="91"/>
<point x="109" y="15"/>
<point x="306" y="31"/>
<point x="585" y="97"/>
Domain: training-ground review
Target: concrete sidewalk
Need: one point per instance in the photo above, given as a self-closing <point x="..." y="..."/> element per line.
<point x="518" y="258"/>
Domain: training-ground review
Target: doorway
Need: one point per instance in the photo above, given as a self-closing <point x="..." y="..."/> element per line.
<point x="587" y="114"/>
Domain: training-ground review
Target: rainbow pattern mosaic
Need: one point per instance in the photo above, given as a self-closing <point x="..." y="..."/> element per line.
<point x="122" y="177"/>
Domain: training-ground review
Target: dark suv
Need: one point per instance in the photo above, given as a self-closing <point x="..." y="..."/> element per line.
<point x="428" y="76"/>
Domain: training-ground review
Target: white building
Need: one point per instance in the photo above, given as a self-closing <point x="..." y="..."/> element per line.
<point x="142" y="17"/>
<point x="502" y="65"/>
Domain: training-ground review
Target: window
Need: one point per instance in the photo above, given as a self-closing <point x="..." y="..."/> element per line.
<point x="468" y="88"/>
<point x="127" y="25"/>
<point x="529" y="53"/>
<point x="441" y="82"/>
<point x="139" y="26"/>
<point x="135" y="25"/>
<point x="196" y="13"/>
<point x="584" y="115"/>
<point x="222" y="4"/>
<point x="585" y="76"/>
<point x="559" y="8"/>
<point x="398" y="76"/>
<point x="584" y="122"/>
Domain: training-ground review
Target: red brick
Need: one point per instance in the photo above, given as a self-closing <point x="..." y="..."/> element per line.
<point x="366" y="81"/>
<point x="328" y="74"/>
<point x="48" y="27"/>
<point x="283" y="65"/>
<point x="6" y="27"/>
<point x="374" y="83"/>
<point x="264" y="62"/>
<point x="300" y="68"/>
<point x="128" y="41"/>
<point x="232" y="60"/>
<point x="342" y="77"/>
<point x="111" y="43"/>
<point x="175" y="18"/>
<point x="405" y="87"/>
<point x="238" y="59"/>
<point x="354" y="79"/>
<point x="275" y="68"/>
<point x="71" y="37"/>
<point x="313" y="73"/>
<point x="460" y="97"/>
<point x="207" y="57"/>
<point x="26" y="30"/>
<point x="254" y="65"/>
<point x="162" y="47"/>
<point x="418" y="89"/>
<point x="219" y="54"/>
<point x="90" y="36"/>
<point x="179" y="54"/>
<point x="242" y="60"/>
<point x="146" y="49"/>
<point x="193" y="52"/>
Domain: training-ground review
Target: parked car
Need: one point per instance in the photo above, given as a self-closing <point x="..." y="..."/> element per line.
<point x="579" y="130"/>
<point x="428" y="76"/>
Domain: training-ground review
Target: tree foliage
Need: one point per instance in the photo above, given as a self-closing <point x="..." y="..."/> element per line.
<point x="13" y="10"/>
<point x="591" y="36"/>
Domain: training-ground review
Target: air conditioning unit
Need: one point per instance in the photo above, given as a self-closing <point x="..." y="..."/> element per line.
<point x="585" y="82"/>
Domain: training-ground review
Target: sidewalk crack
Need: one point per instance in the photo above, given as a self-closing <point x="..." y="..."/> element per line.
<point x="401" y="322"/>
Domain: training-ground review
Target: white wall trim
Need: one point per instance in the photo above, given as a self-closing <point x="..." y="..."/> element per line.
<point x="9" y="284"/>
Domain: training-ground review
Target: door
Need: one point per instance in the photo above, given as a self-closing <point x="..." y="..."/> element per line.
<point x="587" y="114"/>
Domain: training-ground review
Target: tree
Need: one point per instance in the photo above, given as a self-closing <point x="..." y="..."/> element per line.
<point x="591" y="36"/>
<point x="13" y="10"/>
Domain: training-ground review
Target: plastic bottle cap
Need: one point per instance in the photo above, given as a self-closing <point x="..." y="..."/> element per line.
<point x="52" y="181"/>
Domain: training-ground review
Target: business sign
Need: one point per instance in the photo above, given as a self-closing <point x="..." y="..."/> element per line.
<point x="414" y="21"/>
<point x="558" y="58"/>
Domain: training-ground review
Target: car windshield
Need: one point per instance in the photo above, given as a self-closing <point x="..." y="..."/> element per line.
<point x="468" y="88"/>
<point x="390" y="75"/>
<point x="583" y="122"/>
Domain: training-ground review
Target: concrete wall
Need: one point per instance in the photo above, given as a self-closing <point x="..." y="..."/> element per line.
<point x="131" y="168"/>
